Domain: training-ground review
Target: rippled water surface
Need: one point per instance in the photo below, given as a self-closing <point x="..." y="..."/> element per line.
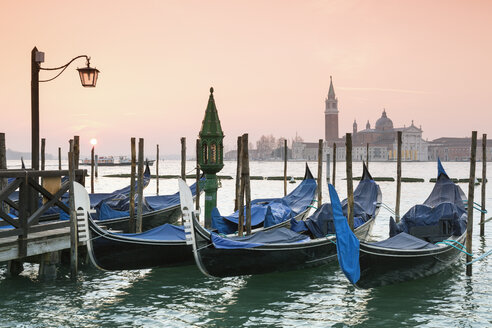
<point x="319" y="297"/>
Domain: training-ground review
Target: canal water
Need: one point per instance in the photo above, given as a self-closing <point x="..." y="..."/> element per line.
<point x="319" y="297"/>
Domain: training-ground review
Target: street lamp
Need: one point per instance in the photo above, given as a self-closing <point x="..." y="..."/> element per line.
<point x="88" y="78"/>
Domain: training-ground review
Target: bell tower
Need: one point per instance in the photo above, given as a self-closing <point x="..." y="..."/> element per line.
<point x="331" y="114"/>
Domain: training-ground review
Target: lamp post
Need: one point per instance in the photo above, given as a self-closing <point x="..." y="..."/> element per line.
<point x="211" y="155"/>
<point x="88" y="78"/>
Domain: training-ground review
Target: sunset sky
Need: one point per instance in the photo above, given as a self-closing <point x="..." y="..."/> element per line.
<point x="269" y="62"/>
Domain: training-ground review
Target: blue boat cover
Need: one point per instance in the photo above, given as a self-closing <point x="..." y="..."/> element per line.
<point x="404" y="241"/>
<point x="444" y="202"/>
<point x="270" y="211"/>
<point x="321" y="224"/>
<point x="261" y="238"/>
<point x="110" y="209"/>
<point x="347" y="242"/>
<point x="160" y="233"/>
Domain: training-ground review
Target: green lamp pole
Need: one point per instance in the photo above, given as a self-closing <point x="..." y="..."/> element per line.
<point x="211" y="157"/>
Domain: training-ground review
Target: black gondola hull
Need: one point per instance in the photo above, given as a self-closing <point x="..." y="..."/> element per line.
<point x="113" y="252"/>
<point x="270" y="258"/>
<point x="383" y="266"/>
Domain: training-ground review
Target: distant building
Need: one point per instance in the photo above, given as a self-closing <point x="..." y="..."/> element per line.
<point x="382" y="141"/>
<point x="457" y="149"/>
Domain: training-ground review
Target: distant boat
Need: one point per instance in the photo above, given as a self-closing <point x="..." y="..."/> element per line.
<point x="112" y="161"/>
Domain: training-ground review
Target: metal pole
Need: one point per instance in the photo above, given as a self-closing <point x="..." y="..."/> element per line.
<point x="34" y="110"/>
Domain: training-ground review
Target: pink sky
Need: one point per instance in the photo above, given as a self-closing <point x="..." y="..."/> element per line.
<point x="268" y="61"/>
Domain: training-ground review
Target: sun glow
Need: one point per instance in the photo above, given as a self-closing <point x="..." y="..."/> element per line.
<point x="93" y="141"/>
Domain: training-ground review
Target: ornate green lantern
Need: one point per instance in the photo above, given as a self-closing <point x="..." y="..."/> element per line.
<point x="211" y="155"/>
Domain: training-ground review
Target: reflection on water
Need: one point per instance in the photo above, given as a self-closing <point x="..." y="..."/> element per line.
<point x="317" y="297"/>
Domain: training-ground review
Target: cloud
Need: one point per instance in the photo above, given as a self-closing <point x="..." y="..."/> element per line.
<point x="385" y="90"/>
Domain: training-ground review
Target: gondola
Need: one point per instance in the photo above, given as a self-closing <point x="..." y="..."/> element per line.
<point x="280" y="249"/>
<point x="428" y="239"/>
<point x="161" y="246"/>
<point x="273" y="212"/>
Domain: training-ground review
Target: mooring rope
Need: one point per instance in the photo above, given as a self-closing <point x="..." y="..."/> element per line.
<point x="481" y="257"/>
<point x="448" y="242"/>
<point x="389" y="209"/>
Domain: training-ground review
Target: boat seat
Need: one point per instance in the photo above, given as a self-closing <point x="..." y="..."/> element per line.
<point x="433" y="233"/>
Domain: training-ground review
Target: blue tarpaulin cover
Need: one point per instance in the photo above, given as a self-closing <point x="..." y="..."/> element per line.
<point x="270" y="211"/>
<point x="161" y="233"/>
<point x="347" y="242"/>
<point x="365" y="204"/>
<point x="404" y="241"/>
<point x="445" y="201"/>
<point x="111" y="209"/>
<point x="274" y="236"/>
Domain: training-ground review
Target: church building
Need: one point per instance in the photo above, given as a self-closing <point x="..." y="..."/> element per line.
<point x="382" y="139"/>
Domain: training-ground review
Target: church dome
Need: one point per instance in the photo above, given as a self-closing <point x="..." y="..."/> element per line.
<point x="384" y="123"/>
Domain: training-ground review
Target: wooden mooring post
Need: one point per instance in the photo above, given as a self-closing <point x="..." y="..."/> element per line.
<point x="96" y="165"/>
<point x="76" y="151"/>
<point x="285" y="167"/>
<point x="43" y="153"/>
<point x="246" y="178"/>
<point x="471" y="192"/>
<point x="350" y="187"/>
<point x="140" y="184"/>
<point x="183" y="158"/>
<point x="334" y="164"/>
<point x="398" y="176"/>
<point x="367" y="156"/>
<point x="327" y="167"/>
<point x="484" y="182"/>
<point x="157" y="171"/>
<point x="238" y="173"/>
<point x="131" y="221"/>
<point x="59" y="159"/>
<point x="197" y="198"/>
<point x="3" y="166"/>
<point x="320" y="172"/>
<point x="92" y="169"/>
<point x="74" y="255"/>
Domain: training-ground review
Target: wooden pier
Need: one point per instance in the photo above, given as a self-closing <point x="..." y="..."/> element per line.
<point x="33" y="234"/>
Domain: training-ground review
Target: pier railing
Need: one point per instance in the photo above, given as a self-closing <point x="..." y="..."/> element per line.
<point x="31" y="213"/>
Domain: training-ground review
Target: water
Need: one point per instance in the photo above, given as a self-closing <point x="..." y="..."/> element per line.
<point x="319" y="297"/>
